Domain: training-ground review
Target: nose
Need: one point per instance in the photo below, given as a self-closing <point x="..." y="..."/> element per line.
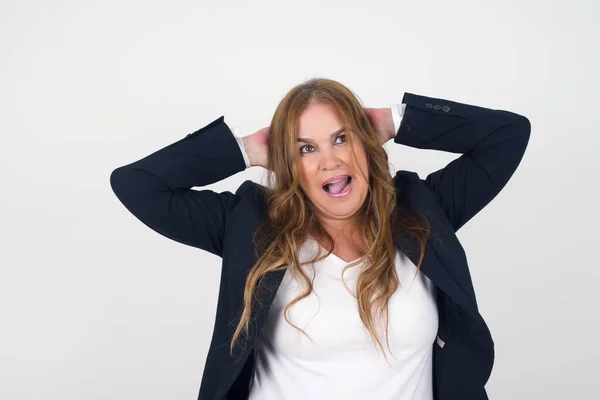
<point x="329" y="160"/>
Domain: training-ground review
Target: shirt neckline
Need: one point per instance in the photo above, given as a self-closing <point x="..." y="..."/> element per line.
<point x="331" y="254"/>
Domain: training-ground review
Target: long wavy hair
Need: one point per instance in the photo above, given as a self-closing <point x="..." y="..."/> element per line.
<point x="292" y="217"/>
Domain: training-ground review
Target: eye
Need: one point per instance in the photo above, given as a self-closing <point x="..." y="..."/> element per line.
<point x="343" y="137"/>
<point x="309" y="149"/>
<point x="307" y="146"/>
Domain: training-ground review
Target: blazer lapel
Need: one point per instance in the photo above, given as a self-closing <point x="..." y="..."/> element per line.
<point x="414" y="196"/>
<point x="433" y="266"/>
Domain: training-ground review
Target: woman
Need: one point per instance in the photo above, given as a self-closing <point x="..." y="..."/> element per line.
<point x="338" y="280"/>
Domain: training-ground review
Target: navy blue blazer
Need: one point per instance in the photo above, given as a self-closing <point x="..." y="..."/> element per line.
<point x="157" y="190"/>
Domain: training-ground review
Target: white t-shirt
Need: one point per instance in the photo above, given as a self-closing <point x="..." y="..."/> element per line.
<point x="343" y="362"/>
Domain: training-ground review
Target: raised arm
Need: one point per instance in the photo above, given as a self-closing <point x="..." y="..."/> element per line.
<point x="491" y="143"/>
<point x="157" y="188"/>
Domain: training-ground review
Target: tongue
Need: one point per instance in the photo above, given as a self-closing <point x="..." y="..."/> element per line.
<point x="337" y="186"/>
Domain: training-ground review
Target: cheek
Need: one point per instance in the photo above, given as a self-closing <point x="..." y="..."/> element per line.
<point x="307" y="173"/>
<point x="361" y="162"/>
<point x="356" y="161"/>
<point x="309" y="165"/>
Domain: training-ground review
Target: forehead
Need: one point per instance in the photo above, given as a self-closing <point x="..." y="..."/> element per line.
<point x="318" y="120"/>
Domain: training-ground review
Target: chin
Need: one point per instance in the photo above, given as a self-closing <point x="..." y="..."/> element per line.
<point x="341" y="214"/>
<point x="343" y="205"/>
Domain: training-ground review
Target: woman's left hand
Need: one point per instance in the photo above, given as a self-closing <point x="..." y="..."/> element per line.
<point x="381" y="118"/>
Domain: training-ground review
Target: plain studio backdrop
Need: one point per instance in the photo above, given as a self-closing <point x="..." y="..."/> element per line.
<point x="95" y="305"/>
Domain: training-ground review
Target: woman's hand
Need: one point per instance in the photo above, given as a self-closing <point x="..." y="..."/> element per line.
<point x="256" y="146"/>
<point x="381" y="118"/>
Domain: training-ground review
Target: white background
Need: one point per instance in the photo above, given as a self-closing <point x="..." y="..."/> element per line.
<point x="95" y="305"/>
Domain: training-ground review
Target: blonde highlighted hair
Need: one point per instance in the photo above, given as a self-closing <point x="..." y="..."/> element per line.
<point x="292" y="218"/>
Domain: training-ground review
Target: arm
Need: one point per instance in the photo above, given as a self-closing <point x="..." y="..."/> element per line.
<point x="157" y="188"/>
<point x="491" y="143"/>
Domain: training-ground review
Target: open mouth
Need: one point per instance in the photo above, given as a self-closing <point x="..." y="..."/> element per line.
<point x="339" y="187"/>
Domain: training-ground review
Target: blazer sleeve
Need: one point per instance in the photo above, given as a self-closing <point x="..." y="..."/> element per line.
<point x="157" y="189"/>
<point x="491" y="143"/>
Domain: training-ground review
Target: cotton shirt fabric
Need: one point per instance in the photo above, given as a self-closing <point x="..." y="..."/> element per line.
<point x="339" y="359"/>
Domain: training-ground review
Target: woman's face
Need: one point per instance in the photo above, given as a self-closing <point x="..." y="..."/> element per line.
<point x="326" y="156"/>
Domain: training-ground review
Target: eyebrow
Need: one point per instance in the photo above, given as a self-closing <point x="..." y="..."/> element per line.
<point x="303" y="140"/>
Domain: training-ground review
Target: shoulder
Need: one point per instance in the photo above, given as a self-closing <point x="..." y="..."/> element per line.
<point x="252" y="194"/>
<point x="413" y="191"/>
<point x="404" y="180"/>
<point x="249" y="187"/>
<point x="407" y="176"/>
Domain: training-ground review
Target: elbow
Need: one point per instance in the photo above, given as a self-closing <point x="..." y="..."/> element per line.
<point x="521" y="132"/>
<point x="118" y="181"/>
<point x="518" y="124"/>
<point x="114" y="179"/>
<point x="520" y="128"/>
<point x="524" y="128"/>
<point x="124" y="187"/>
<point x="525" y="125"/>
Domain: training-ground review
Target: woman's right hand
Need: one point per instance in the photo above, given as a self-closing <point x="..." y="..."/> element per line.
<point x="256" y="146"/>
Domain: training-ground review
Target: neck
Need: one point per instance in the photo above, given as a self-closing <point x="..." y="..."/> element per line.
<point x="342" y="229"/>
<point x="344" y="234"/>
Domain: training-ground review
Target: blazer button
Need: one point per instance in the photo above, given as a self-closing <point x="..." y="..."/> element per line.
<point x="437" y="107"/>
<point x="428" y="105"/>
<point x="445" y="108"/>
